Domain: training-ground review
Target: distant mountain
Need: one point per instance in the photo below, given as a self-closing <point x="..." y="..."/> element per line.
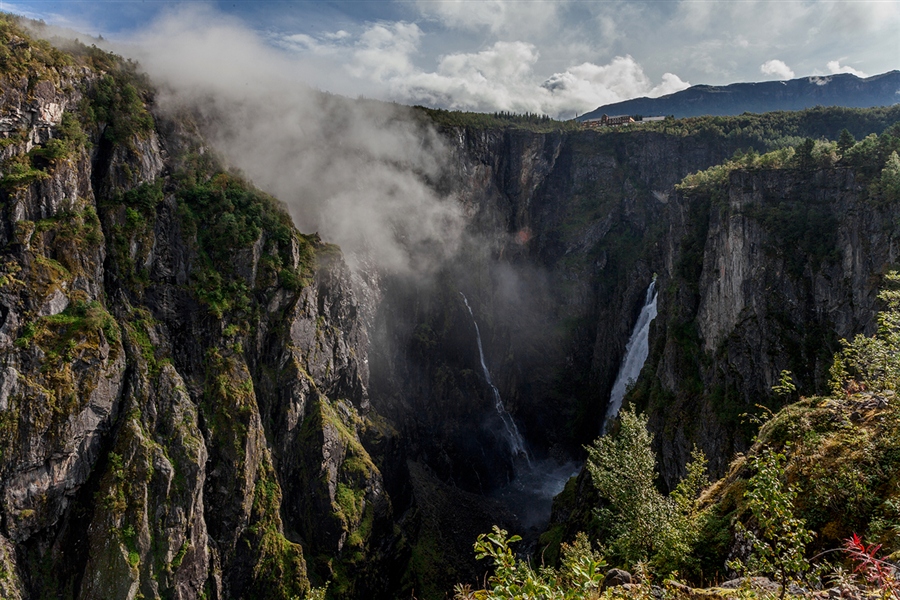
<point x="795" y="94"/>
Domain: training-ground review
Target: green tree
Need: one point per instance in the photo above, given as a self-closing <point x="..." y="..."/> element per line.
<point x="623" y="469"/>
<point x="804" y="154"/>
<point x="889" y="183"/>
<point x="785" y="388"/>
<point x="778" y="543"/>
<point x="639" y="523"/>
<point x="845" y="141"/>
<point x="871" y="363"/>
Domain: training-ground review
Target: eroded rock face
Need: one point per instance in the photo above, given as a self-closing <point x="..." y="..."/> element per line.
<point x="790" y="263"/>
<point x="157" y="441"/>
<point x="187" y="413"/>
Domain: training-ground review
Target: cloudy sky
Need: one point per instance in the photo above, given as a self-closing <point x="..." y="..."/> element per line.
<point x="555" y="57"/>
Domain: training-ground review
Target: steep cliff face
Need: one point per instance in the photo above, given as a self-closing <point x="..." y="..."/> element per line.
<point x="564" y="233"/>
<point x="766" y="275"/>
<point x="196" y="400"/>
<point x="183" y="387"/>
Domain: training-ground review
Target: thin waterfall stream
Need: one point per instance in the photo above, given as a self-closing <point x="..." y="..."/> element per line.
<point x="530" y="493"/>
<point x="636" y="351"/>
<point x="513" y="436"/>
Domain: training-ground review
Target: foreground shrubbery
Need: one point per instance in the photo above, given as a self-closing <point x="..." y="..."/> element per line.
<point x="814" y="505"/>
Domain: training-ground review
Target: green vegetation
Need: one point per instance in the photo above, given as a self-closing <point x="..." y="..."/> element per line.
<point x="22" y="56"/>
<point x="22" y="170"/>
<point x="820" y="479"/>
<point x="580" y="575"/>
<point x="19" y="172"/>
<point x="780" y="547"/>
<point x="70" y="141"/>
<point x="498" y="120"/>
<point x="636" y="522"/>
<point x="763" y="132"/>
<point x="138" y="326"/>
<point x="871" y="157"/>
<point x="888" y="186"/>
<point x="118" y="104"/>
<point x="228" y="215"/>
<point x="60" y="335"/>
<point x="783" y="129"/>
<point x="871" y="363"/>
<point x="280" y="571"/>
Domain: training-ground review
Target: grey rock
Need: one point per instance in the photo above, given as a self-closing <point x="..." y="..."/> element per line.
<point x="615" y="578"/>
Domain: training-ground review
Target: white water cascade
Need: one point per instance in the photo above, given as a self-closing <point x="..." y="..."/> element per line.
<point x="513" y="437"/>
<point x="635" y="355"/>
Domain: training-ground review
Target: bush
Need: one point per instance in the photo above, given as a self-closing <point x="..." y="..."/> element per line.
<point x="637" y="521"/>
<point x="581" y="573"/>
<point x="871" y="363"/>
<point x="780" y="546"/>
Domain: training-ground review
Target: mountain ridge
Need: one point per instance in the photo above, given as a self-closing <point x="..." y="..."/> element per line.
<point x="841" y="89"/>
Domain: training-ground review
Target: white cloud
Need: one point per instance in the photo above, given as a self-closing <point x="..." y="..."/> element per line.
<point x="385" y="50"/>
<point x="834" y="67"/>
<point x="671" y="83"/>
<point x="777" y="68"/>
<point x="380" y="60"/>
<point x="497" y="16"/>
<point x="354" y="171"/>
<point x="503" y="77"/>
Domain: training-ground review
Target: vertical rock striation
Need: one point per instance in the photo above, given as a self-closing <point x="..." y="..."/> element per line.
<point x="184" y="376"/>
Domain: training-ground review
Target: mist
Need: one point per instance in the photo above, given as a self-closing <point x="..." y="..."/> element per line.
<point x="363" y="174"/>
<point x="355" y="171"/>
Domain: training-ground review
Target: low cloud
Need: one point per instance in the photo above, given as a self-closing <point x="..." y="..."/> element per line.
<point x="835" y="67"/>
<point x="505" y="76"/>
<point x="356" y="172"/>
<point x="777" y="68"/>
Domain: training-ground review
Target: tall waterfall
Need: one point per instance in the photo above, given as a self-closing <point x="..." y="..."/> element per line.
<point x="635" y="355"/>
<point x="513" y="437"/>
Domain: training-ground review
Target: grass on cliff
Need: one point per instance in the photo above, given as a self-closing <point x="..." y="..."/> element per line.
<point x="228" y="215"/>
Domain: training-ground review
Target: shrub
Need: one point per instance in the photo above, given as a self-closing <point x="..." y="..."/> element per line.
<point x="637" y="521"/>
<point x="581" y="573"/>
<point x="871" y="363"/>
<point x="780" y="546"/>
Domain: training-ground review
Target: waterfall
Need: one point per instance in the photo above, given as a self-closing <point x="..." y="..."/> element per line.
<point x="513" y="437"/>
<point x="635" y="355"/>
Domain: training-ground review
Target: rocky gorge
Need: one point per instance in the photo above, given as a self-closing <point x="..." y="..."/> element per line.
<point x="199" y="401"/>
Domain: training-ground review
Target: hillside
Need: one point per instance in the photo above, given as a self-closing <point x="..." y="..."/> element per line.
<point x="197" y="400"/>
<point x="796" y="94"/>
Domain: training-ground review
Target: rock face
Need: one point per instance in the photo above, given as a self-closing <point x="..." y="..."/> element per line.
<point x="184" y="376"/>
<point x="767" y="276"/>
<point x="198" y="401"/>
<point x="565" y="232"/>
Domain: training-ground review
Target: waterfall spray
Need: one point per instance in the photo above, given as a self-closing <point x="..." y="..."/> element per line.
<point x="513" y="437"/>
<point x="636" y="352"/>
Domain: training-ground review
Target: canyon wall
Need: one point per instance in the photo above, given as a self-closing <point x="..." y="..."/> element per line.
<point x="197" y="400"/>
